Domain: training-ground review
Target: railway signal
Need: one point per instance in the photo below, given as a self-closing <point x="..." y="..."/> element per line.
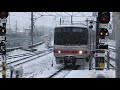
<point x="3" y="20"/>
<point x="2" y="48"/>
<point x="104" y="17"/>
<point x="101" y="32"/>
<point x="2" y="31"/>
<point x="4" y="15"/>
<point x="91" y="25"/>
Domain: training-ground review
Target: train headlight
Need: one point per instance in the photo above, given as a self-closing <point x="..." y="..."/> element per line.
<point x="59" y="51"/>
<point x="80" y="52"/>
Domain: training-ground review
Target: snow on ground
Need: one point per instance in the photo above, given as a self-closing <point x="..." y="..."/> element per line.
<point x="63" y="74"/>
<point x="42" y="67"/>
<point x="43" y="46"/>
<point x="40" y="47"/>
<point x="48" y="72"/>
<point x="110" y="42"/>
<point x="111" y="47"/>
<point x="90" y="74"/>
<point x="17" y="52"/>
<point x="112" y="54"/>
<point x="81" y="74"/>
<point x="38" y="65"/>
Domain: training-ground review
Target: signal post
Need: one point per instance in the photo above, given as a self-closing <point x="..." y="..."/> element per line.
<point x="3" y="21"/>
<point x="101" y="32"/>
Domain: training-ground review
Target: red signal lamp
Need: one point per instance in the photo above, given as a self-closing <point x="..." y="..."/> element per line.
<point x="103" y="19"/>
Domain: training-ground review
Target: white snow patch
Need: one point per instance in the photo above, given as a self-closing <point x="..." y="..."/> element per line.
<point x="91" y="73"/>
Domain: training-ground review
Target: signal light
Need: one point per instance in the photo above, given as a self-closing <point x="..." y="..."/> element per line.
<point x="104" y="17"/>
<point x="91" y="26"/>
<point x="91" y="22"/>
<point x="103" y="32"/>
<point x="4" y="15"/>
<point x="2" y="43"/>
<point x="2" y="30"/>
<point x="2" y="48"/>
<point x="106" y="34"/>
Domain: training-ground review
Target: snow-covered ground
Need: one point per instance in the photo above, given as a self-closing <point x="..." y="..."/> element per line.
<point x="90" y="74"/>
<point x="17" y="52"/>
<point x="110" y="42"/>
<point x="45" y="66"/>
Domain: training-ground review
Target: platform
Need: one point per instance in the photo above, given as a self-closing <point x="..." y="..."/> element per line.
<point x="91" y="74"/>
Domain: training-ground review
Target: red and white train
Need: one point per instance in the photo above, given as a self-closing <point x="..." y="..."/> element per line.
<point x="71" y="44"/>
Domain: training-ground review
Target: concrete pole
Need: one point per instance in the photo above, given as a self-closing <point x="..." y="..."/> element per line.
<point x="71" y="19"/>
<point x="16" y="28"/>
<point x="116" y="27"/>
<point x="60" y="21"/>
<point x="32" y="23"/>
<point x="113" y="31"/>
<point x="89" y="33"/>
<point x="97" y="33"/>
<point x="97" y="61"/>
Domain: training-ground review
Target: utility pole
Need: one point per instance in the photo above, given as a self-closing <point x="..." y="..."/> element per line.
<point x="60" y="21"/>
<point x="97" y="41"/>
<point x="87" y="23"/>
<point x="89" y="41"/>
<point x="113" y="31"/>
<point x="89" y="31"/>
<point x="97" y="33"/>
<point x="32" y="24"/>
<point x="16" y="27"/>
<point x="116" y="27"/>
<point x="71" y="19"/>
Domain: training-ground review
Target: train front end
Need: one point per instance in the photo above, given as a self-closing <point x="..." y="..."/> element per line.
<point x="71" y="45"/>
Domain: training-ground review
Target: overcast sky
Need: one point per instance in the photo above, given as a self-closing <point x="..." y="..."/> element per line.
<point x="23" y="19"/>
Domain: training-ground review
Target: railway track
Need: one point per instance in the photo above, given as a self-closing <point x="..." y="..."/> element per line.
<point x="29" y="58"/>
<point x="112" y="46"/>
<point x="66" y="71"/>
<point x="23" y="62"/>
<point x="111" y="49"/>
<point x="24" y="56"/>
<point x="110" y="64"/>
<point x="111" y="58"/>
<point x="20" y="55"/>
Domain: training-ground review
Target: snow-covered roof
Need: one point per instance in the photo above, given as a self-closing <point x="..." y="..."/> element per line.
<point x="71" y="26"/>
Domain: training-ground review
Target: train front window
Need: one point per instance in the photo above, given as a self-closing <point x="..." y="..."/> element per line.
<point x="71" y="36"/>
